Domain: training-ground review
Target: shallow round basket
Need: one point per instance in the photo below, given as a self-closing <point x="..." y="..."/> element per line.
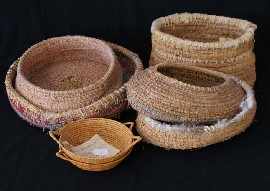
<point x="64" y="73"/>
<point x="115" y="133"/>
<point x="214" y="42"/>
<point x="181" y="93"/>
<point x="191" y="136"/>
<point x="108" y="106"/>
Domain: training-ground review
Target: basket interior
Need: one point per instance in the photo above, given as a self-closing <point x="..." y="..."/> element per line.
<point x="116" y="135"/>
<point x="127" y="64"/>
<point x="189" y="76"/>
<point x="64" y="64"/>
<point x="202" y="29"/>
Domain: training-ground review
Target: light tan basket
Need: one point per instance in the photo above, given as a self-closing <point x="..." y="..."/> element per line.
<point x="179" y="93"/>
<point x="190" y="136"/>
<point x="214" y="42"/>
<point x="108" y="106"/>
<point x="113" y="132"/>
<point x="65" y="73"/>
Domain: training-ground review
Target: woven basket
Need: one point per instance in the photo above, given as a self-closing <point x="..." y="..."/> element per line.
<point x="108" y="106"/>
<point x="69" y="72"/>
<point x="113" y="132"/>
<point x="179" y="93"/>
<point x="214" y="42"/>
<point x="191" y="136"/>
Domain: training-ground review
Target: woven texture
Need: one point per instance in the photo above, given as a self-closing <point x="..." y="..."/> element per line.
<point x="68" y="72"/>
<point x="214" y="42"/>
<point x="191" y="136"/>
<point x="78" y="132"/>
<point x="178" y="93"/>
<point x="107" y="106"/>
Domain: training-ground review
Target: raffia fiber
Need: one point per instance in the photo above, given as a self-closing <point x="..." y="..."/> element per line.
<point x="108" y="106"/>
<point x="63" y="73"/>
<point x="190" y="136"/>
<point x="214" y="42"/>
<point x="113" y="132"/>
<point x="178" y="93"/>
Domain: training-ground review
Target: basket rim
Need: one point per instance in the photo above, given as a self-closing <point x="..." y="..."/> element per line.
<point x="180" y="83"/>
<point x="249" y="29"/>
<point x="68" y="38"/>
<point x="92" y="166"/>
<point x="94" y="120"/>
<point x="54" y="116"/>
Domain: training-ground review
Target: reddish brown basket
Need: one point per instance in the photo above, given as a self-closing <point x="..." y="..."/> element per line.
<point x="66" y="73"/>
<point x="108" y="106"/>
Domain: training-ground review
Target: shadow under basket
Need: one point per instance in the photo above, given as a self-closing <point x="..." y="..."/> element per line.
<point x="109" y="106"/>
<point x="114" y="133"/>
<point x="190" y="136"/>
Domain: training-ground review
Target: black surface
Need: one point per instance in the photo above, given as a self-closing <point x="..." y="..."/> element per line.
<point x="27" y="155"/>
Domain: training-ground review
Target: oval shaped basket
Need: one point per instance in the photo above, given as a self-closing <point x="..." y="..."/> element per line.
<point x="108" y="106"/>
<point x="64" y="73"/>
<point x="178" y="93"/>
<point x="113" y="132"/>
<point x="214" y="42"/>
<point x="190" y="136"/>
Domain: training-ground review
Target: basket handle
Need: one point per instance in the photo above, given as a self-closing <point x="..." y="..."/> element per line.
<point x="60" y="154"/>
<point x="53" y="134"/>
<point x="135" y="140"/>
<point x="129" y="124"/>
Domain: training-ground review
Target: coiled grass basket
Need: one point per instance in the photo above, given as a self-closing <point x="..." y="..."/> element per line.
<point x="181" y="93"/>
<point x="66" y="73"/>
<point x="188" y="135"/>
<point x="108" y="104"/>
<point x="213" y="42"/>
<point x="76" y="133"/>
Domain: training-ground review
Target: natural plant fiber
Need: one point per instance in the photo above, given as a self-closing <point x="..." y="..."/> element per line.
<point x="190" y="136"/>
<point x="108" y="106"/>
<point x="214" y="42"/>
<point x="113" y="132"/>
<point x="64" y="73"/>
<point x="179" y="93"/>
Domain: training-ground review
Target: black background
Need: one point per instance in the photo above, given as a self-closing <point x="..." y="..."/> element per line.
<point x="27" y="155"/>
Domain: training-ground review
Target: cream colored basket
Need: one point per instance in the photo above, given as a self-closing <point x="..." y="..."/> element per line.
<point x="214" y="42"/>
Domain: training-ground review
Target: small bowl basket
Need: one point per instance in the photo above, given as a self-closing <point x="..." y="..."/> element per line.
<point x="115" y="133"/>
